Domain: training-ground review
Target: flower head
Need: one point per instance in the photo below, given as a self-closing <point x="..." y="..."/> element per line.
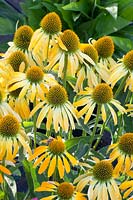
<point x="16" y="60"/>
<point x="101" y="95"/>
<point x="123" y="69"/>
<point x="53" y="155"/>
<point x="23" y="36"/>
<point x="101" y="181"/>
<point x="51" y="23"/>
<point x="90" y="50"/>
<point x="12" y="136"/>
<point x="64" y="191"/>
<point x="104" y="46"/>
<point x="67" y="54"/>
<point x="57" y="109"/>
<point x="45" y="37"/>
<point x="123" y="152"/>
<point x="34" y="83"/>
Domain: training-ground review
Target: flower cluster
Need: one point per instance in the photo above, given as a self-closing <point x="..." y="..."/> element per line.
<point x="52" y="86"/>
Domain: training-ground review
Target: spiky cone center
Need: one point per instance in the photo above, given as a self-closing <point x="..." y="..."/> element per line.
<point x="104" y="46"/>
<point x="51" y="23"/>
<point x="56" y="146"/>
<point x="34" y="74"/>
<point x="128" y="60"/>
<point x="102" y="93"/>
<point x="91" y="52"/>
<point x="103" y="171"/>
<point x="65" y="191"/>
<point x="126" y="143"/>
<point x="70" y="40"/>
<point x="9" y="126"/>
<point x="15" y="93"/>
<point x="57" y="95"/>
<point x="23" y="36"/>
<point x="16" y="58"/>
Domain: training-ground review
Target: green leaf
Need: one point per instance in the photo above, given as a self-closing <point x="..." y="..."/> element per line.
<point x="81" y="6"/>
<point x="6" y="26"/>
<point x="106" y="24"/>
<point x="120" y="42"/>
<point x="74" y="141"/>
<point x="126" y="9"/>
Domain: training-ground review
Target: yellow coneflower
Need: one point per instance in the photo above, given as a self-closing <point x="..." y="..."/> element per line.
<point x="53" y="155"/>
<point x="19" y="105"/>
<point x="86" y="72"/>
<point x="102" y="184"/>
<point x="21" y="41"/>
<point x="3" y="170"/>
<point x="12" y="137"/>
<point x="128" y="187"/>
<point x="43" y="37"/>
<point x="57" y="109"/>
<point x="105" y="48"/>
<point x="122" y="69"/>
<point x="67" y="54"/>
<point x="123" y="152"/>
<point x="5" y="108"/>
<point x="101" y="95"/>
<point x="34" y="83"/>
<point x="18" y="61"/>
<point x="60" y="191"/>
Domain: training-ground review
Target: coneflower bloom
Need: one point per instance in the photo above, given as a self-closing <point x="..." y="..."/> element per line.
<point x="60" y="191"/>
<point x="34" y="83"/>
<point x="86" y="72"/>
<point x="43" y="37"/>
<point x="122" y="151"/>
<point x="53" y="155"/>
<point x="57" y="109"/>
<point x="5" y="108"/>
<point x="105" y="48"/>
<point x="12" y="137"/>
<point x="21" y="41"/>
<point x="101" y="95"/>
<point x="100" y="178"/>
<point x="127" y="187"/>
<point x="66" y="54"/>
<point x="4" y="171"/>
<point x="19" y="105"/>
<point x="122" y="69"/>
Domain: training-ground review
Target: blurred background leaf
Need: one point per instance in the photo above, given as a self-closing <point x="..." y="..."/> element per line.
<point x="88" y="18"/>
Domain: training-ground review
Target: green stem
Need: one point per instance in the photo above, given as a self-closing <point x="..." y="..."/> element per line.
<point x="128" y="97"/>
<point x="96" y="122"/>
<point x="65" y="70"/>
<point x="100" y="136"/>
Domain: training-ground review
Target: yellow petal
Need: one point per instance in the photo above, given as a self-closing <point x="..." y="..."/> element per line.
<point x="44" y="165"/>
<point x="60" y="167"/>
<point x="71" y="158"/>
<point x="52" y="166"/>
